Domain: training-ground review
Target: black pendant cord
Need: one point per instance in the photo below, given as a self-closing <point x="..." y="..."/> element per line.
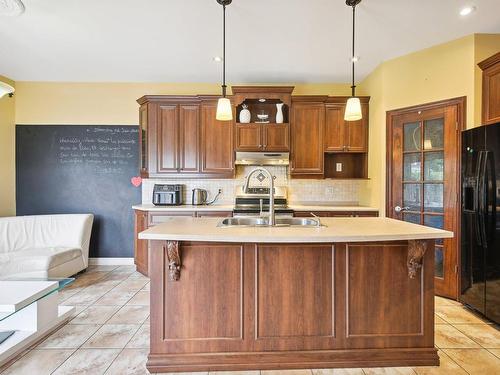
<point x="224" y="51"/>
<point x="353" y="87"/>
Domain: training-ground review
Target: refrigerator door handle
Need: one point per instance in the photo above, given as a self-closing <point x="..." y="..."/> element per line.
<point x="490" y="188"/>
<point x="483" y="203"/>
<point x="477" y="210"/>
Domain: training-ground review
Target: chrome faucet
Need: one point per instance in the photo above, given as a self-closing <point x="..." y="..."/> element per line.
<point x="272" y="220"/>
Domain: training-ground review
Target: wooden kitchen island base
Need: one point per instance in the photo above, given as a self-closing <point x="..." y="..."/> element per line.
<point x="247" y="306"/>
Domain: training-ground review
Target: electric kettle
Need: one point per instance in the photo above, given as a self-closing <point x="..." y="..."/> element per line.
<point x="200" y="197"/>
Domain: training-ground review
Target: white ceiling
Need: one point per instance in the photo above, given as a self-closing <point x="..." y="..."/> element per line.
<point x="267" y="40"/>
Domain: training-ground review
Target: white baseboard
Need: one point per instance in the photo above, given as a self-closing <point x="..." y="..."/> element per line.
<point x="111" y="261"/>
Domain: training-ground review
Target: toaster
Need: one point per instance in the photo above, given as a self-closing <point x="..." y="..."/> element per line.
<point x="167" y="195"/>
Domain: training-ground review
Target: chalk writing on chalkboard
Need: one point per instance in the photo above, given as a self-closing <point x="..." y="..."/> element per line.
<point x="105" y="150"/>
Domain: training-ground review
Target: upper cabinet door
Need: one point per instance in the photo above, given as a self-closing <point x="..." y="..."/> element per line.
<point x="356" y="133"/>
<point x="189" y="138"/>
<point x="276" y="137"/>
<point x="491" y="89"/>
<point x="248" y="137"/>
<point x="307" y="128"/>
<point x="217" y="151"/>
<point x="168" y="139"/>
<point x="143" y="139"/>
<point x="334" y="128"/>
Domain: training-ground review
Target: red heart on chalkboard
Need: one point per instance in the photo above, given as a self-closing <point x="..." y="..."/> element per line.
<point x="136" y="181"/>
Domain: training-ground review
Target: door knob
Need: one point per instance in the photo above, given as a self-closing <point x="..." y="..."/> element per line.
<point x="401" y="209"/>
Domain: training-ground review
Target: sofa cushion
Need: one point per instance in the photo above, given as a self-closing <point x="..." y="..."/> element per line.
<point x="36" y="259"/>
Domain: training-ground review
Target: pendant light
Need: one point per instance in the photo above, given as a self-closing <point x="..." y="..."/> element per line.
<point x="6" y="89"/>
<point x="224" y="109"/>
<point x="353" y="106"/>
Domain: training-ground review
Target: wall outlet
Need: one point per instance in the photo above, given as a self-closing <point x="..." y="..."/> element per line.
<point x="329" y="190"/>
<point x="338" y="167"/>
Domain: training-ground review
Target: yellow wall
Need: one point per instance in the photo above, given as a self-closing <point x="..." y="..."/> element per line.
<point x="441" y="72"/>
<point x="485" y="45"/>
<point x="7" y="153"/>
<point x="113" y="103"/>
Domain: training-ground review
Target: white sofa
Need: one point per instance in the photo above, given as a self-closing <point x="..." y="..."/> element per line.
<point x="44" y="245"/>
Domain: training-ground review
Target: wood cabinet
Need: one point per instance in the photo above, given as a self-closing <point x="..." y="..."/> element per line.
<point x="141" y="253"/>
<point x="262" y="306"/>
<point x="345" y="136"/>
<point x="491" y="89"/>
<point x="262" y="137"/>
<point x="189" y="138"/>
<point x="217" y="147"/>
<point x="256" y="136"/>
<point x="307" y="128"/>
<point x="180" y="139"/>
<point x="148" y="219"/>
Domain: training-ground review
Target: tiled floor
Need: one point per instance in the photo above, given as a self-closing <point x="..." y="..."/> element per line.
<point x="109" y="334"/>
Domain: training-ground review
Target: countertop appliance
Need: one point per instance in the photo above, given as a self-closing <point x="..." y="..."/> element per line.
<point x="262" y="158"/>
<point x="167" y="195"/>
<point x="199" y="197"/>
<point x="480" y="234"/>
<point x="256" y="202"/>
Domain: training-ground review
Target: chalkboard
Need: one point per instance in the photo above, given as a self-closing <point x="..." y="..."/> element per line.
<point x="81" y="169"/>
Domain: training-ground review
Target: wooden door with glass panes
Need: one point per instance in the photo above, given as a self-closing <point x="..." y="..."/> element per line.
<point x="423" y="178"/>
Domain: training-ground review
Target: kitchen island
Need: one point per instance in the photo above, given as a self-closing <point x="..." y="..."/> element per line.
<point x="356" y="292"/>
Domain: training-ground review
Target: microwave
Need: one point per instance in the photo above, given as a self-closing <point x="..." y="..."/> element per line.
<point x="167" y="195"/>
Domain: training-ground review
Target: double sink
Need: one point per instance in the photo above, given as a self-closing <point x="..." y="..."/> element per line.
<point x="264" y="222"/>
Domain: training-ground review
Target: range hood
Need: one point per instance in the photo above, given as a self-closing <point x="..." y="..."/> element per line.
<point x="262" y="158"/>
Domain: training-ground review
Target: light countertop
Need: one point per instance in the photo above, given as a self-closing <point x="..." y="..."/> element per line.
<point x="321" y="207"/>
<point x="337" y="230"/>
<point x="229" y="207"/>
<point x="184" y="207"/>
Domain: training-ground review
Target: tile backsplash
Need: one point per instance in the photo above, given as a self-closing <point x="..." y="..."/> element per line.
<point x="334" y="192"/>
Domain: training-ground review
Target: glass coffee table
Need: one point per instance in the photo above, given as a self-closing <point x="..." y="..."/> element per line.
<point x="29" y="310"/>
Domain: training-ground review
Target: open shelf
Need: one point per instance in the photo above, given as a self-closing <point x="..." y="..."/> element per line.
<point x="256" y="106"/>
<point x="354" y="165"/>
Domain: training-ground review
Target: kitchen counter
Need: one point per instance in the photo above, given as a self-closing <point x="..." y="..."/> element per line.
<point x="336" y="230"/>
<point x="229" y="207"/>
<point x="326" y="207"/>
<point x="258" y="298"/>
<point x="184" y="208"/>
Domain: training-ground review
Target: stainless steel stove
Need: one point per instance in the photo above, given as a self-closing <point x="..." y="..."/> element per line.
<point x="256" y="202"/>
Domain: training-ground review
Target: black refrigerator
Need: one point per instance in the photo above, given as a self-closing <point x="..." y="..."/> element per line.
<point x="480" y="237"/>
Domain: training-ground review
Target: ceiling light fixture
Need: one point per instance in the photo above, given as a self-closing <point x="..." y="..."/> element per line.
<point x="224" y="109"/>
<point x="11" y="8"/>
<point x="6" y="89"/>
<point x="465" y="11"/>
<point x="353" y="105"/>
<point x="217" y="59"/>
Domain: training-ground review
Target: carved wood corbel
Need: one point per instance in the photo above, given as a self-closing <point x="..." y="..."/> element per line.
<point x="174" y="260"/>
<point x="416" y="251"/>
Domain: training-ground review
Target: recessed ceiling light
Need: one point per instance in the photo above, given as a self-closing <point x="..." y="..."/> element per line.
<point x="217" y="59"/>
<point x="465" y="11"/>
<point x="11" y="7"/>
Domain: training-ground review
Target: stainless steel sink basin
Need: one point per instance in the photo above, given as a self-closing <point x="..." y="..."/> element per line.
<point x="264" y="221"/>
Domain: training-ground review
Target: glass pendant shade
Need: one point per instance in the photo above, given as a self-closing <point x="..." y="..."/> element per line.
<point x="224" y="110"/>
<point x="5" y="89"/>
<point x="353" y="110"/>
